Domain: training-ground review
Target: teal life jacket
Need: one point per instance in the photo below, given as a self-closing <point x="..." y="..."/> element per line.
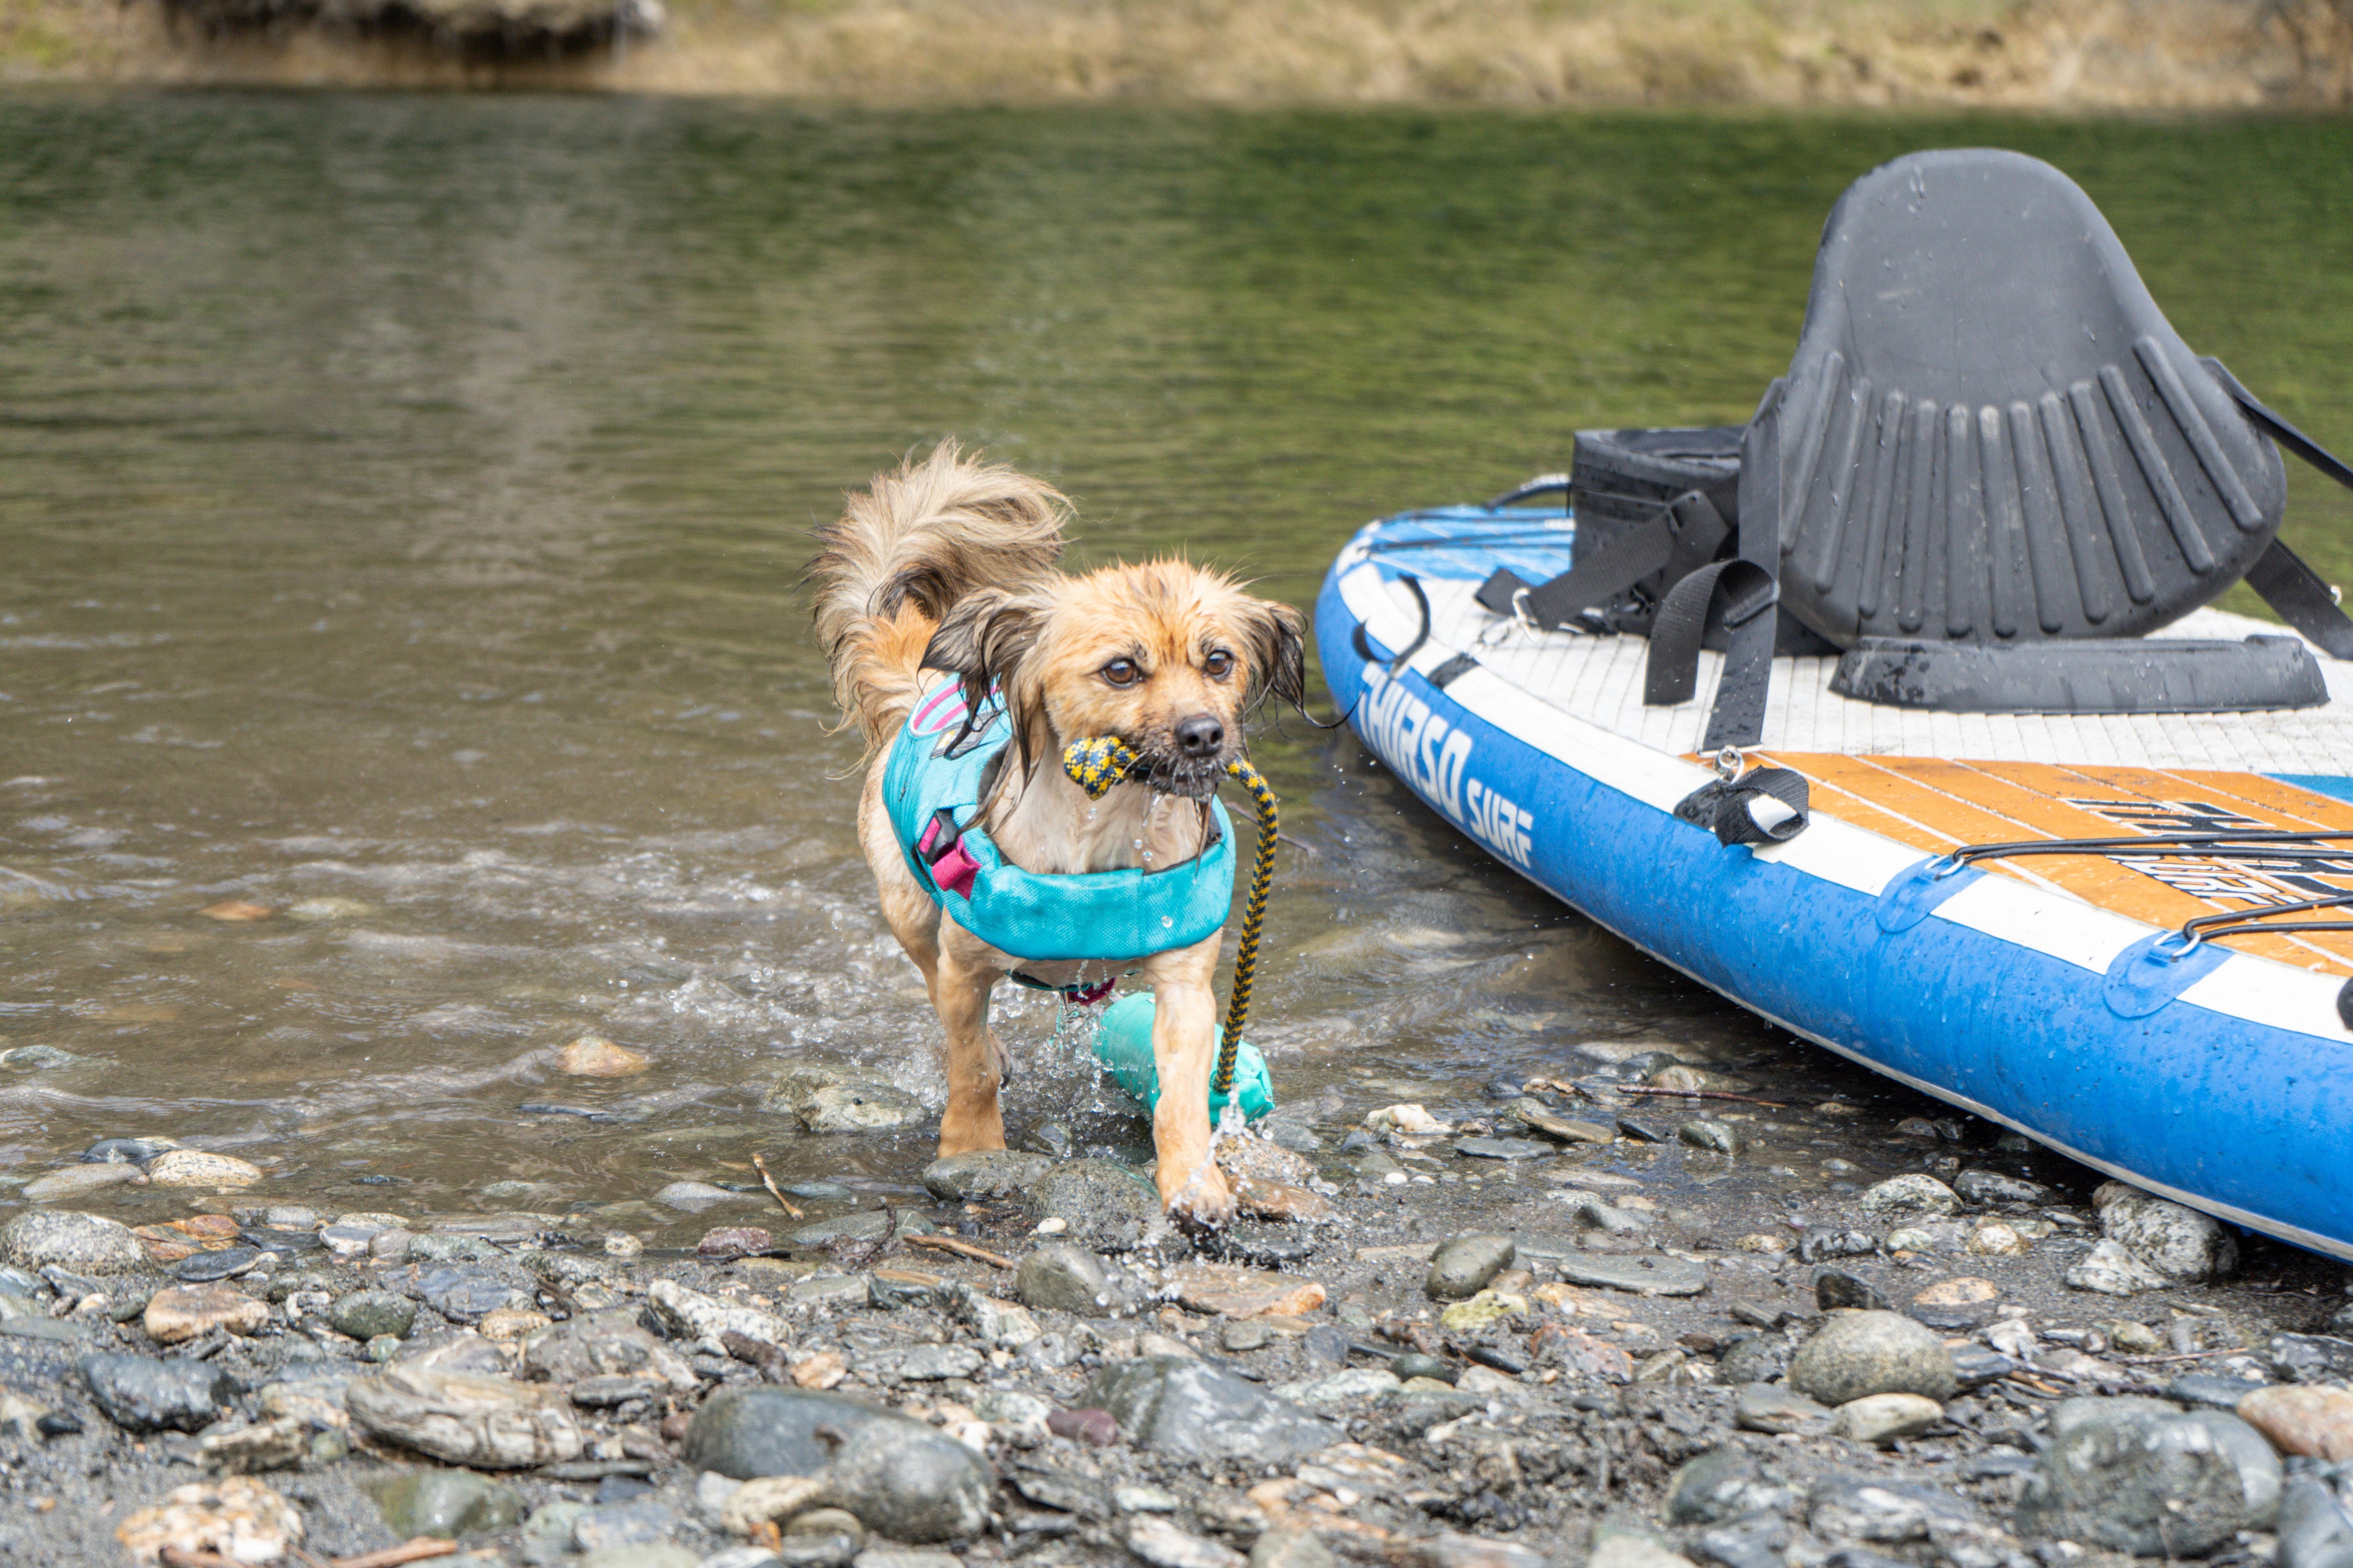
<point x="931" y="788"/>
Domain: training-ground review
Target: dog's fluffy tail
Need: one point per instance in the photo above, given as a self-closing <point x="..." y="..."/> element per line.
<point x="907" y="548"/>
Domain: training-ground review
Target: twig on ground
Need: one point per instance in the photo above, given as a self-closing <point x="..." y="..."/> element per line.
<point x="1698" y="1094"/>
<point x="2192" y="1355"/>
<point x="961" y="1248"/>
<point x="416" y="1550"/>
<point x="769" y="1182"/>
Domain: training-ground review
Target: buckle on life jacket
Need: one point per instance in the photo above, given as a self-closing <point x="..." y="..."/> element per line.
<point x="1078" y="991"/>
<point x="942" y="850"/>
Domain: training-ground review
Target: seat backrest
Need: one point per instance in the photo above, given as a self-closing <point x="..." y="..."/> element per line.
<point x="1991" y="434"/>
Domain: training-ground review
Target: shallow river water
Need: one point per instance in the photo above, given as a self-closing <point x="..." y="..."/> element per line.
<point x="403" y="500"/>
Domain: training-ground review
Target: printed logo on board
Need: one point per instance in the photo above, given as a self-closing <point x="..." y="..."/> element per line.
<point x="2258" y="881"/>
<point x="1434" y="757"/>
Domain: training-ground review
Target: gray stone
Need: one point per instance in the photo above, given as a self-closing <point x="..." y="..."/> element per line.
<point x="1722" y="1484"/>
<point x="693" y="1197"/>
<point x="651" y="1554"/>
<point x="607" y="1344"/>
<point x="1759" y="1358"/>
<point x="446" y="1503"/>
<point x="1064" y="1279"/>
<point x="2259" y="1468"/>
<point x="448" y="1351"/>
<point x="444" y="1248"/>
<point x="1837" y="1290"/>
<point x="746" y="1433"/>
<point x="911" y="1483"/>
<point x="640" y="1522"/>
<point x="1761" y="1407"/>
<point x="1503" y="1149"/>
<point x="1609" y="1217"/>
<point x="1645" y="1276"/>
<point x="85" y="1242"/>
<point x="1883" y="1417"/>
<point x="141" y="1393"/>
<point x="608" y="1392"/>
<point x="2124" y="1476"/>
<point x="1716" y="1137"/>
<point x="1857" y="1354"/>
<point x="1172" y="1404"/>
<point x="128" y="1151"/>
<point x="859" y="1108"/>
<point x="2316" y="1530"/>
<point x="1909" y="1197"/>
<point x="2311" y="1358"/>
<point x="2110" y="1269"/>
<point x="1884" y="1512"/>
<point x="363" y="1314"/>
<point x="548" y="1534"/>
<point x="77" y="1180"/>
<point x="465" y="1419"/>
<point x="1992" y="1187"/>
<point x="2177" y="1242"/>
<point x="1165" y="1545"/>
<point x="1107" y="1205"/>
<point x="1290" y="1549"/>
<point x="930" y="1363"/>
<point x="1461" y="1267"/>
<point x="466" y="1293"/>
<point x="984" y="1173"/>
<point x="866" y="1224"/>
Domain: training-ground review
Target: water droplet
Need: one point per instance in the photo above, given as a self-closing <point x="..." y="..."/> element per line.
<point x="1167" y="920"/>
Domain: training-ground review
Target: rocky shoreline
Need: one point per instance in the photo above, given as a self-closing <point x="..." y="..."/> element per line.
<point x="1518" y="1340"/>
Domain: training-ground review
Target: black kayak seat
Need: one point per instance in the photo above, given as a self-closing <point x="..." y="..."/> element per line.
<point x="1990" y="432"/>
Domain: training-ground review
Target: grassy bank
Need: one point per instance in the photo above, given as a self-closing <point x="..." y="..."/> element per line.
<point x="2054" y="54"/>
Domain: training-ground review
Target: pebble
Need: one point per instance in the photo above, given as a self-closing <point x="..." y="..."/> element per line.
<point x="466" y="1418"/>
<point x="365" y="1314"/>
<point x="1171" y="1405"/>
<point x="2316" y="1529"/>
<point x="1486" y="1308"/>
<point x="1103" y="1204"/>
<point x="1717" y="1137"/>
<point x="466" y="1293"/>
<point x="1909" y="1196"/>
<point x="2110" y="1269"/>
<point x="85" y="1242"/>
<point x="1221" y="1290"/>
<point x="983" y="1174"/>
<point x="859" y="1108"/>
<point x="1856" y="1355"/>
<point x="130" y="1150"/>
<point x="1609" y="1217"/>
<point x="141" y="1393"/>
<point x="2310" y="1358"/>
<point x="1762" y="1407"/>
<point x="2177" y="1242"/>
<point x="1568" y="1130"/>
<point x="1962" y="1292"/>
<point x="644" y="1556"/>
<point x="1835" y="1288"/>
<point x="1096" y="1428"/>
<point x="1643" y="1276"/>
<point x="1503" y="1149"/>
<point x="195" y="1168"/>
<point x="1625" y="1550"/>
<point x="594" y="1056"/>
<point x="1992" y="1187"/>
<point x="706" y="1320"/>
<point x="635" y="1523"/>
<point x="1461" y="1267"/>
<point x="2120" y="1475"/>
<point x="185" y="1312"/>
<point x="693" y="1197"/>
<point x="770" y="1430"/>
<point x="1883" y="1417"/>
<point x="1290" y="1549"/>
<point x="1720" y="1485"/>
<point x="911" y="1482"/>
<point x="222" y="1263"/>
<point x="446" y="1503"/>
<point x="77" y="1180"/>
<point x="2314" y="1422"/>
<point x="1165" y="1545"/>
<point x="237" y="1517"/>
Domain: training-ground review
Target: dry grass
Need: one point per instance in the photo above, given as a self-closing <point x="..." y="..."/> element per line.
<point x="2058" y="54"/>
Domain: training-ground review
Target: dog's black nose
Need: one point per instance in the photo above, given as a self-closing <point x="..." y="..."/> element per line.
<point x="1200" y="736"/>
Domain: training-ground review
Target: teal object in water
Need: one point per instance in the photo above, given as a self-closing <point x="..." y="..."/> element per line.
<point x="1123" y="1043"/>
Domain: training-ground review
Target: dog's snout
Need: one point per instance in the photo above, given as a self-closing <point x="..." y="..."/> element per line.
<point x="1200" y="736"/>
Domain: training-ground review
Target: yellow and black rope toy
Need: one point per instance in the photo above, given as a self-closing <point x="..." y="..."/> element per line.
<point x="1095" y="766"/>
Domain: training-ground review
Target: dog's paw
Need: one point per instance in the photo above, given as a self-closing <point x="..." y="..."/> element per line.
<point x="970" y="1132"/>
<point x="1200" y="1198"/>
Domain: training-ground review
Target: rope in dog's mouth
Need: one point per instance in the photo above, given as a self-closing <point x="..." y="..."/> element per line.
<point x="1097" y="764"/>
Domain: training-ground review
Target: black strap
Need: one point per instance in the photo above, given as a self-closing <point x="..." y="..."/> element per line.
<point x="2303" y="599"/>
<point x="1747" y="587"/>
<point x="1735" y="809"/>
<point x="1422" y="635"/>
<point x="1684" y="536"/>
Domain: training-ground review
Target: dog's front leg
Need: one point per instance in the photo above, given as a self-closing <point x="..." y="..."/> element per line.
<point x="960" y="994"/>
<point x="1184" y="1052"/>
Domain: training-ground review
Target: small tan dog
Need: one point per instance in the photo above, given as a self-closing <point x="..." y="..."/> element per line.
<point x="939" y="582"/>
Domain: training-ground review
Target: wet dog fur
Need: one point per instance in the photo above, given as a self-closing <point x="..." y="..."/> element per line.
<point x="945" y="568"/>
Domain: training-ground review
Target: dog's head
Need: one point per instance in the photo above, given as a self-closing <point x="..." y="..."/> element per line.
<point x="1170" y="658"/>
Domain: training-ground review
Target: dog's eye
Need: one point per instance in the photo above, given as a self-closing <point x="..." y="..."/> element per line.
<point x="1121" y="672"/>
<point x="1218" y="665"/>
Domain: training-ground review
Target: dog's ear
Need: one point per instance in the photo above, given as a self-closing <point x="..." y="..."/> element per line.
<point x="1277" y="651"/>
<point x="983" y="639"/>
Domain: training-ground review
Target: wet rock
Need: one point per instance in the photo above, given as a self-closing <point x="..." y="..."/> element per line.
<point x="999" y="1324"/>
<point x="1759" y="1358"/>
<point x="2311" y="1358"/>
<point x="1609" y="1217"/>
<point x="85" y="1242"/>
<point x="1883" y="1417"/>
<point x="593" y="1056"/>
<point x="2110" y="1269"/>
<point x="1164" y="1545"/>
<point x="1061" y="1278"/>
<point x="911" y="1482"/>
<point x="1761" y="1407"/>
<point x="1835" y="1290"/>
<point x="436" y="1248"/>
<point x="984" y="1173"/>
<point x="365" y="1314"/>
<point x="730" y="1241"/>
<point x="187" y="1312"/>
<point x="1992" y="1187"/>
<point x="1503" y="1149"/>
<point x="1218" y="1290"/>
<point x="1534" y="1114"/>
<point x="2179" y="1243"/>
<point x="464" y="1293"/>
<point x="1290" y="1549"/>
<point x="859" y="1108"/>
<point x="1463" y="1267"/>
<point x="77" y="1180"/>
<point x="2314" y="1422"/>
<point x="612" y="1525"/>
<point x="1103" y="1204"/>
<point x="1096" y="1428"/>
<point x="466" y="1418"/>
<point x="1487" y="1307"/>
<point x="1261" y="1158"/>
<point x="693" y="1197"/>
<point x="195" y="1168"/>
<point x="237" y="1517"/>
<point x="1192" y="1410"/>
<point x="1857" y="1354"/>
<point x="2316" y="1529"/>
<point x="1719" y="1485"/>
<point x="241" y="1448"/>
<point x="1884" y="1512"/>
<point x="141" y="1393"/>
<point x="203" y="1267"/>
<point x="447" y="1350"/>
<point x="1909" y="1197"/>
<point x="1717" y="1137"/>
<point x="770" y="1430"/>
<point x="706" y="1320"/>
<point x="446" y="1503"/>
<point x="2119" y="1475"/>
<point x="128" y="1151"/>
<point x="1643" y="1276"/>
<point x="1819" y="1241"/>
